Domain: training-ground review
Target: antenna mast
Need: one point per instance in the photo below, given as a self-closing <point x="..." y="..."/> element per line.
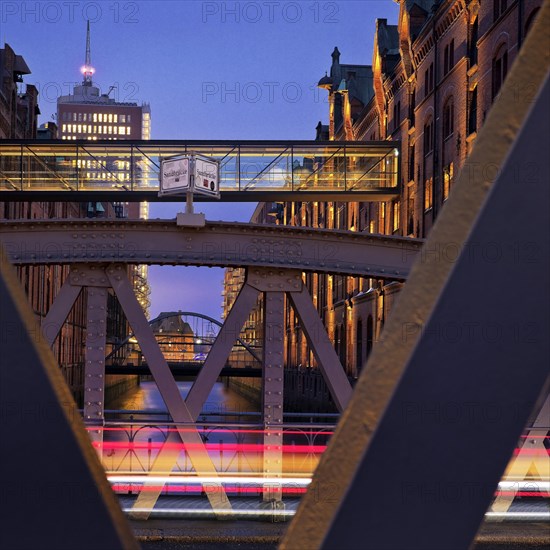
<point x="88" y="70"/>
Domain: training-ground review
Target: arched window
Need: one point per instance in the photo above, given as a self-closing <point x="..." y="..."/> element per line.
<point x="500" y="68"/>
<point x="448" y="118"/>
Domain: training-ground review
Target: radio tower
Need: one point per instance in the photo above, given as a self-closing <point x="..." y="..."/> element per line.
<point x="87" y="69"/>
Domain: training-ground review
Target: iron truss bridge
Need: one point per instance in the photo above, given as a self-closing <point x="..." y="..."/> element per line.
<point x="218" y="244"/>
<point x="250" y="170"/>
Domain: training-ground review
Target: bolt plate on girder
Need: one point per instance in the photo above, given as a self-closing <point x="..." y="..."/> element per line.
<point x="274" y="280"/>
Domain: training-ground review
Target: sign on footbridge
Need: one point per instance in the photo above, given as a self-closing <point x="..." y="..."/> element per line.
<point x="255" y="171"/>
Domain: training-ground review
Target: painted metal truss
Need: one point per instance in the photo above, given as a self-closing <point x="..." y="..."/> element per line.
<point x="98" y="279"/>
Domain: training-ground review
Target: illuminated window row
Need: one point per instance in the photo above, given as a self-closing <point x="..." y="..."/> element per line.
<point x="93" y="129"/>
<point x="96" y="117"/>
<point x="107" y="176"/>
<point x="93" y="164"/>
<point x="94" y="138"/>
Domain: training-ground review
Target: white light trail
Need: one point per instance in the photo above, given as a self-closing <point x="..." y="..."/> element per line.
<point x="173" y="480"/>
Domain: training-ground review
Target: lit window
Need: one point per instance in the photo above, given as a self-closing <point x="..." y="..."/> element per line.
<point x="115" y="118"/>
<point x="74" y="117"/>
<point x="127" y="130"/>
<point x="122" y="130"/>
<point x="110" y="117"/>
<point x="64" y="137"/>
<point x="79" y="128"/>
<point x="448" y="173"/>
<point x="100" y="117"/>
<point x="396" y="214"/>
<point x="95" y="117"/>
<point x="382" y="220"/>
<point x="64" y="128"/>
<point x="115" y="129"/>
<point x="428" y="190"/>
<point x="110" y="129"/>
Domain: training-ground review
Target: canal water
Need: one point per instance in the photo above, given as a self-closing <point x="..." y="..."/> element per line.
<point x="146" y="397"/>
<point x="131" y="440"/>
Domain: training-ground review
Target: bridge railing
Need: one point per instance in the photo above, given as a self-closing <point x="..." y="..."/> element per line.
<point x="234" y="441"/>
<point x="247" y="168"/>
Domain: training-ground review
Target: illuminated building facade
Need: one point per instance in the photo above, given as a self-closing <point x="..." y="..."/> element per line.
<point x="86" y="114"/>
<point x="18" y="120"/>
<point x="431" y="82"/>
<point x="175" y="337"/>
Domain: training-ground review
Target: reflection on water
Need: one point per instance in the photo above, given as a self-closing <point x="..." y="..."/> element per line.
<point x="132" y="441"/>
<point x="147" y="397"/>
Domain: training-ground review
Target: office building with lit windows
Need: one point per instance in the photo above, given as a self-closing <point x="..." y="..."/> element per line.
<point x="89" y="115"/>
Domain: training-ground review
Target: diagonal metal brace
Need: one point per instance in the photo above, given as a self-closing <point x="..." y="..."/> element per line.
<point x="322" y="348"/>
<point x="167" y="385"/>
<point x="59" y="311"/>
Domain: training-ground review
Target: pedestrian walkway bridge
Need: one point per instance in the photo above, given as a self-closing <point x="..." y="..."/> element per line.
<point x="249" y="170"/>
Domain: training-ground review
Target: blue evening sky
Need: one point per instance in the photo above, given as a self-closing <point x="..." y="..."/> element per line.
<point x="210" y="70"/>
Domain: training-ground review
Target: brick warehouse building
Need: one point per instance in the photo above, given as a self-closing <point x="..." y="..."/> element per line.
<point x="431" y="83"/>
<point x="18" y="120"/>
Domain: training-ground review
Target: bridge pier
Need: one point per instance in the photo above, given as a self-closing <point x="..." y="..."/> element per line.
<point x="272" y="394"/>
<point x="94" y="368"/>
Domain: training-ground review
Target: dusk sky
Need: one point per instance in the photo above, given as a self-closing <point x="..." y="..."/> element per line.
<point x="209" y="70"/>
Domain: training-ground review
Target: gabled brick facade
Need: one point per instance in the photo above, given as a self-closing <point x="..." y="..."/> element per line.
<point x="435" y="77"/>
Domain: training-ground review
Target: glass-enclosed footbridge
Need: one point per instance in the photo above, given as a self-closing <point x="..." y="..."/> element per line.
<point x="250" y="170"/>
